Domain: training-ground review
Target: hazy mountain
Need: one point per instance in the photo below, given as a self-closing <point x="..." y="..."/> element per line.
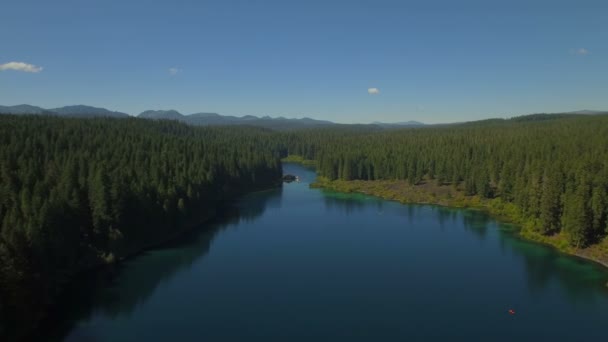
<point x="214" y="119"/>
<point x="205" y="115"/>
<point x="278" y="123"/>
<point x="398" y="124"/>
<point x="72" y="111"/>
<point x="210" y="119"/>
<point x="161" y="114"/>
<point x="23" y="109"/>
<point x="197" y="119"/>
<point x="87" y="111"/>
<point x="588" y="112"/>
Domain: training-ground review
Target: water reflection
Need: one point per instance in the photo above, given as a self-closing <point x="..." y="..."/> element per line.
<point x="543" y="265"/>
<point x="351" y="203"/>
<point x="581" y="280"/>
<point x="445" y="215"/>
<point x="121" y="289"/>
<point x="476" y="222"/>
<point x="252" y="206"/>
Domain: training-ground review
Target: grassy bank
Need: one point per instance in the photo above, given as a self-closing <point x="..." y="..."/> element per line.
<point x="427" y="192"/>
<point x="293" y="158"/>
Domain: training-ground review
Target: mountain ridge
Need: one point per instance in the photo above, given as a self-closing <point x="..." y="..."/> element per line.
<point x="215" y="119"/>
<point x="87" y="111"/>
<point x="410" y="123"/>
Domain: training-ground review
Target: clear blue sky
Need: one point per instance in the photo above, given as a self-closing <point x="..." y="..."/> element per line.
<point x="432" y="61"/>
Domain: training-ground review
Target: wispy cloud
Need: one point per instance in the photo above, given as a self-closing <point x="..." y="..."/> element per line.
<point x="580" y="51"/>
<point x="373" y="91"/>
<point x="174" y="71"/>
<point x="20" y="66"/>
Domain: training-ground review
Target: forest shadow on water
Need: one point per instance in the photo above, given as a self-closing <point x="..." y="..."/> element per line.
<point x="351" y="203"/>
<point x="98" y="291"/>
<point x="580" y="279"/>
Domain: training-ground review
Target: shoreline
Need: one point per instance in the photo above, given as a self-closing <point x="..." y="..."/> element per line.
<point x="186" y="228"/>
<point x="189" y="227"/>
<point x="400" y="192"/>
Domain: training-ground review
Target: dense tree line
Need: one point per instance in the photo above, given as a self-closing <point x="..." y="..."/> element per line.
<point x="553" y="168"/>
<point x="80" y="192"/>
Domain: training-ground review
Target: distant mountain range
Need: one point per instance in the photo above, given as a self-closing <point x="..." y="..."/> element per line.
<point x="197" y="119"/>
<point x="24" y="109"/>
<point x="587" y="112"/>
<point x="87" y="111"/>
<point x="399" y="124"/>
<point x="71" y="111"/>
<point x="214" y="119"/>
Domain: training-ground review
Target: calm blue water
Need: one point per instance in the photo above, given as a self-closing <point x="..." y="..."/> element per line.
<point x="300" y="264"/>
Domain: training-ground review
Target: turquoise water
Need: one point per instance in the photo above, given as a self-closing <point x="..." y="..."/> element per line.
<point x="301" y="264"/>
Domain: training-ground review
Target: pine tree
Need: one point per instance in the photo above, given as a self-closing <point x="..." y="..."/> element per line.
<point x="550" y="203"/>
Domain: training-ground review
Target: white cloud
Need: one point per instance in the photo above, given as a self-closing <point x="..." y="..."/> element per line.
<point x="373" y="91"/>
<point x="581" y="52"/>
<point x="20" y="66"/>
<point x="174" y="71"/>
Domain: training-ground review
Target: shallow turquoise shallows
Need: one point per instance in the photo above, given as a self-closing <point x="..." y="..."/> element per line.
<point x="301" y="264"/>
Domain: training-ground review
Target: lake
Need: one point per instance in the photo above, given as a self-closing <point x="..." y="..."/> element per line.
<point x="301" y="264"/>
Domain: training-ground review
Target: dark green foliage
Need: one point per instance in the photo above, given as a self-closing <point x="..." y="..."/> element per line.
<point x="551" y="201"/>
<point x="80" y="192"/>
<point x="575" y="220"/>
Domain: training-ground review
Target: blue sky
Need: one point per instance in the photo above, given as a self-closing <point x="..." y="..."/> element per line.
<point x="432" y="61"/>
